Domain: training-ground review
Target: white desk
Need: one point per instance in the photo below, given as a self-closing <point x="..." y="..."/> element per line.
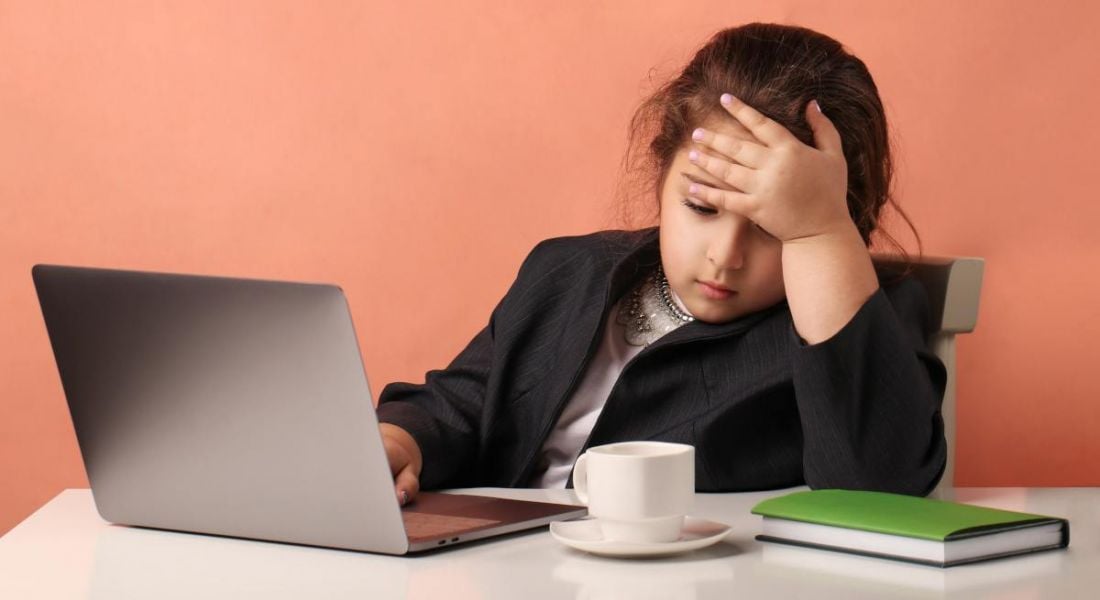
<point x="64" y="550"/>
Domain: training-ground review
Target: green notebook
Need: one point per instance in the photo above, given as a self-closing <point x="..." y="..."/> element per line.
<point x="922" y="530"/>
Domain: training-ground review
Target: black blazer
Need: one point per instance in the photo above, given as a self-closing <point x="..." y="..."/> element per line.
<point x="764" y="410"/>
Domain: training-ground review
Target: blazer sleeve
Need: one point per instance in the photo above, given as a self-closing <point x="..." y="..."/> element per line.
<point x="869" y="399"/>
<point x="444" y="414"/>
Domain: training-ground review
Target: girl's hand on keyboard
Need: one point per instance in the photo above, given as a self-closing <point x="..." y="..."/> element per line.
<point x="405" y="460"/>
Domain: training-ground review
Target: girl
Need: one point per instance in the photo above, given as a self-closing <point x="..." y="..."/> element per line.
<point x="750" y="323"/>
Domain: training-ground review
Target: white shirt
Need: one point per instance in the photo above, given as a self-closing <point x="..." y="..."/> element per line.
<point x="564" y="443"/>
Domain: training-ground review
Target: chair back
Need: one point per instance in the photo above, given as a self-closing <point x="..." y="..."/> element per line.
<point x="954" y="288"/>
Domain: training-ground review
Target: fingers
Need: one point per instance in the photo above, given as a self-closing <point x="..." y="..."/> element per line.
<point x="765" y="129"/>
<point x="406" y="485"/>
<point x="395" y="455"/>
<point x="826" y="137"/>
<point x="731" y="173"/>
<point x="404" y="465"/>
<point x="741" y="151"/>
<point x="733" y="201"/>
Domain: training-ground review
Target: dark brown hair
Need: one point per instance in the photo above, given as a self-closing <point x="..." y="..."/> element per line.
<point x="776" y="69"/>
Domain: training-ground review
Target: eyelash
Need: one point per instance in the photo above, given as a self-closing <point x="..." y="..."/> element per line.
<point x="702" y="210"/>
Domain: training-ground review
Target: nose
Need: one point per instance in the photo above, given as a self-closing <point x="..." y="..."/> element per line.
<point x="727" y="247"/>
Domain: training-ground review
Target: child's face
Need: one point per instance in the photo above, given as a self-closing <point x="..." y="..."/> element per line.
<point x="720" y="248"/>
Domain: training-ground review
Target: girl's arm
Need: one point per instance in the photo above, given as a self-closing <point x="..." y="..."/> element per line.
<point x="868" y="390"/>
<point x="827" y="278"/>
<point x="442" y="418"/>
<point x="442" y="414"/>
<point x="869" y="398"/>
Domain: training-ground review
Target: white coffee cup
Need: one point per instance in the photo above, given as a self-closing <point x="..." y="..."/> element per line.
<point x="639" y="491"/>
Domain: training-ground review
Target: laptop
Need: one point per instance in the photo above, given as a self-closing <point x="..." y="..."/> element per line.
<point x="240" y="407"/>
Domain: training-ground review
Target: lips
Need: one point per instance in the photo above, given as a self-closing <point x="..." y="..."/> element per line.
<point x="716" y="286"/>
<point x="715" y="291"/>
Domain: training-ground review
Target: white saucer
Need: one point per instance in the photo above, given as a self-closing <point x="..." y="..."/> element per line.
<point x="585" y="535"/>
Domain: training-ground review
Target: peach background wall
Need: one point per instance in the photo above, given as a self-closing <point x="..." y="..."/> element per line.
<point x="413" y="152"/>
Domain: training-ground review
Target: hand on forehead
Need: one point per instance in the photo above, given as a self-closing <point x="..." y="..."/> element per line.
<point x="790" y="189"/>
<point x="724" y="126"/>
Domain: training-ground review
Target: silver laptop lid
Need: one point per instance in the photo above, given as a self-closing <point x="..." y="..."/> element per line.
<point x="228" y="406"/>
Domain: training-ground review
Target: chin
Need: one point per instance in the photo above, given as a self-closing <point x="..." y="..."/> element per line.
<point x="715" y="315"/>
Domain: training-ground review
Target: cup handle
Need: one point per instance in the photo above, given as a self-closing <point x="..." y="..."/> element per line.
<point x="580" y="478"/>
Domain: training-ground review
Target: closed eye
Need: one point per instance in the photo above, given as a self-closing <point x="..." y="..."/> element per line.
<point x="706" y="210"/>
<point x="702" y="210"/>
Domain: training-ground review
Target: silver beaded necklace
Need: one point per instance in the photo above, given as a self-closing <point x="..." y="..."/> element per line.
<point x="649" y="311"/>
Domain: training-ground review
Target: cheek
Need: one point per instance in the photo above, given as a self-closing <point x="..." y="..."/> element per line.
<point x="679" y="242"/>
<point x="672" y="254"/>
<point x="773" y="277"/>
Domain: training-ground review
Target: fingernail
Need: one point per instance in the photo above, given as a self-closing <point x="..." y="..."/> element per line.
<point x="694" y="189"/>
<point x="726" y="99"/>
<point x="817" y="106"/>
<point x="693" y="156"/>
<point x="404" y="497"/>
<point x="697" y="135"/>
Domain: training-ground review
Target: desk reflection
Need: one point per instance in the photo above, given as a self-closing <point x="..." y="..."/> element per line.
<point x="684" y="577"/>
<point x="132" y="562"/>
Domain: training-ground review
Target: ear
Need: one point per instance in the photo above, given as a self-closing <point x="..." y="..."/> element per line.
<point x="826" y="137"/>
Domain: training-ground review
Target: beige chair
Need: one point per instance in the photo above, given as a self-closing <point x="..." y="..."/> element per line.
<point x="954" y="287"/>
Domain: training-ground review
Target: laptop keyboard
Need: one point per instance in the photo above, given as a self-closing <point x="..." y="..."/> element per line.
<point x="426" y="525"/>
